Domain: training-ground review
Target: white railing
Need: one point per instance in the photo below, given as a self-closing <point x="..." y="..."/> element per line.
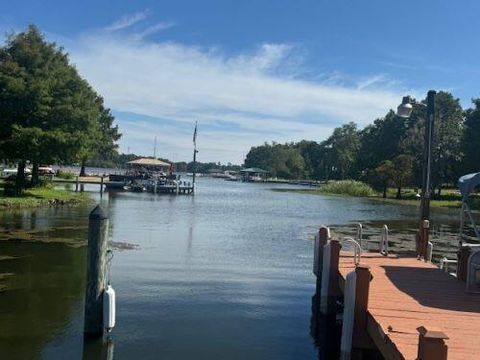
<point x="384" y="241"/>
<point x="357" y="249"/>
<point x="445" y="264"/>
<point x="360" y="235"/>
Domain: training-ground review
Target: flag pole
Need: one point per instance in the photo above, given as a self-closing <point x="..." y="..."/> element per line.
<point x="194" y="156"/>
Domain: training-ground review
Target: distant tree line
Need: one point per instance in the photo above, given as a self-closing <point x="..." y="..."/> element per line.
<point x="388" y="152"/>
<point x="48" y="112"/>
<point x="120" y="161"/>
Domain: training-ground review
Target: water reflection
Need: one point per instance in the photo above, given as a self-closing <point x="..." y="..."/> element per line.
<point x="325" y="330"/>
<point x="98" y="349"/>
<point x="43" y="296"/>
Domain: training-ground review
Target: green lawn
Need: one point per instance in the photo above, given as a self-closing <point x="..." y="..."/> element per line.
<point x="41" y="196"/>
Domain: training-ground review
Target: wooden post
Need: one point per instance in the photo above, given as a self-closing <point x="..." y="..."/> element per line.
<point x="96" y="275"/>
<point x="76" y="184"/>
<point x="422" y="239"/>
<point x="431" y="344"/>
<point x="463" y="255"/>
<point x="354" y="327"/>
<point x="362" y="289"/>
<point x="101" y="185"/>
<point x="321" y="239"/>
<point x="330" y="287"/>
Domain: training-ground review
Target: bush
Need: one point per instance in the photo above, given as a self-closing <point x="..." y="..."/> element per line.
<point x="9" y="186"/>
<point x="44" y="183"/>
<point x="347" y="187"/>
<point x="65" y="175"/>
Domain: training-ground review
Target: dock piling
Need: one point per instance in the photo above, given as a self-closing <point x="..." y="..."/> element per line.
<point x="431" y="344"/>
<point x="76" y="184"/>
<point x="422" y="246"/>
<point x="101" y="185"/>
<point x="329" y="286"/>
<point x="354" y="327"/>
<point x="96" y="274"/>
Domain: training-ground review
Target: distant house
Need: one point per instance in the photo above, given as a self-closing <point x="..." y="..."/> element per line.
<point x="253" y="174"/>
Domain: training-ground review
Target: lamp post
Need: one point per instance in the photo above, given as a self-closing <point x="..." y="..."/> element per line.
<point x="404" y="110"/>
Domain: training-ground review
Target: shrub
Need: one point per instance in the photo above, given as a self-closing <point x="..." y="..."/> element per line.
<point x="65" y="175"/>
<point x="347" y="187"/>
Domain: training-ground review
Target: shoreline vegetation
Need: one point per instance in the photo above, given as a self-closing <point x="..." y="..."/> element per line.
<point x="450" y="198"/>
<point x="42" y="196"/>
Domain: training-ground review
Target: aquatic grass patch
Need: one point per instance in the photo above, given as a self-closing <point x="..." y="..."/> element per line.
<point x="347" y="187"/>
<point x="340" y="187"/>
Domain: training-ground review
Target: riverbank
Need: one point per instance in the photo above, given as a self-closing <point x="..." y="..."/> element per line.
<point x="450" y="198"/>
<point x="42" y="196"/>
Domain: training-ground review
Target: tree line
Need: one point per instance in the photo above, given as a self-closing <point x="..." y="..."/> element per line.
<point x="49" y="113"/>
<point x="388" y="152"/>
<point x="120" y="161"/>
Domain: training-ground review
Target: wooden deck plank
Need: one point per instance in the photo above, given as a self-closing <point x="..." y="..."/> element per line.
<point x="406" y="293"/>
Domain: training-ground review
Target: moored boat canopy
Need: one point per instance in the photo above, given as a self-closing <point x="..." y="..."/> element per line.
<point x="146" y="162"/>
<point x="467" y="183"/>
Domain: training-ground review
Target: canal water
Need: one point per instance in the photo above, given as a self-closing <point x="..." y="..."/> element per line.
<point x="224" y="274"/>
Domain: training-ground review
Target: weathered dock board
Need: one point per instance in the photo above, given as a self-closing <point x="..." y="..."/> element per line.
<point x="405" y="294"/>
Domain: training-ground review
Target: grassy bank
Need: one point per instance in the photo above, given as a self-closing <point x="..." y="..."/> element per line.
<point x="449" y="198"/>
<point x="42" y="196"/>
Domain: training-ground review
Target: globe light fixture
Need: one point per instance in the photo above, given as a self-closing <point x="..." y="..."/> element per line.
<point x="404" y="110"/>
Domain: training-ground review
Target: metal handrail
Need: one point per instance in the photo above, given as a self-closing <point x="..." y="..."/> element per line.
<point x="445" y="262"/>
<point x="357" y="253"/>
<point x="384" y="241"/>
<point x="360" y="234"/>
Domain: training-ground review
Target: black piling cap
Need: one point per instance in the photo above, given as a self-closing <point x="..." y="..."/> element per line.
<point x="98" y="214"/>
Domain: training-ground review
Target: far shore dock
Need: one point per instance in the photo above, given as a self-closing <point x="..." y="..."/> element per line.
<point x="103" y="180"/>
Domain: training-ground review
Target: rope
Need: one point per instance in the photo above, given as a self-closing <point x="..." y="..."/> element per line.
<point x="109" y="264"/>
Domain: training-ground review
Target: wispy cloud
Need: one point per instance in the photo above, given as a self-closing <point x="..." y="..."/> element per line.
<point x="127" y="21"/>
<point x="161" y="26"/>
<point x="239" y="100"/>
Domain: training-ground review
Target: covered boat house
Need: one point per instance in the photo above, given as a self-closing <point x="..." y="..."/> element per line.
<point x="253" y="174"/>
<point x="150" y="164"/>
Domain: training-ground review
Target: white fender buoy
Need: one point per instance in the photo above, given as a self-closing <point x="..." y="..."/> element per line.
<point x="109" y="308"/>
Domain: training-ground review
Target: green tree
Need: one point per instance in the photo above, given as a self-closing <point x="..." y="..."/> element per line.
<point x="402" y="172"/>
<point x="48" y="112"/>
<point x="382" y="175"/>
<point x="471" y="139"/>
<point x="447" y="138"/>
<point x="381" y="141"/>
<point x="344" y="144"/>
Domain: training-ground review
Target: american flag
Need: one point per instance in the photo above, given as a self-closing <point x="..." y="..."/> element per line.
<point x="195" y="135"/>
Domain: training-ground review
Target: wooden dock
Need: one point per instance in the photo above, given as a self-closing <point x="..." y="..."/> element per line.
<point x="398" y="306"/>
<point x="405" y="294"/>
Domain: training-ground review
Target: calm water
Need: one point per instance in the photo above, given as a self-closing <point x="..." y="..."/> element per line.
<point x="224" y="274"/>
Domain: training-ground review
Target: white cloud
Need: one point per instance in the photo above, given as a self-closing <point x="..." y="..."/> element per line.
<point x="164" y="25"/>
<point x="252" y="97"/>
<point x="127" y="21"/>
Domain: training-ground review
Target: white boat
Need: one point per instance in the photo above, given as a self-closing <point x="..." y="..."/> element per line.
<point x="5" y="173"/>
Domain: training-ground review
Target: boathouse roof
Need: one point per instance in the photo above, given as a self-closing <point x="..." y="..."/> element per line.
<point x="254" y="171"/>
<point x="149" y="162"/>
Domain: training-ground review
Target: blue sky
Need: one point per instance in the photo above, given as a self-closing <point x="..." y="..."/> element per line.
<point x="255" y="71"/>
